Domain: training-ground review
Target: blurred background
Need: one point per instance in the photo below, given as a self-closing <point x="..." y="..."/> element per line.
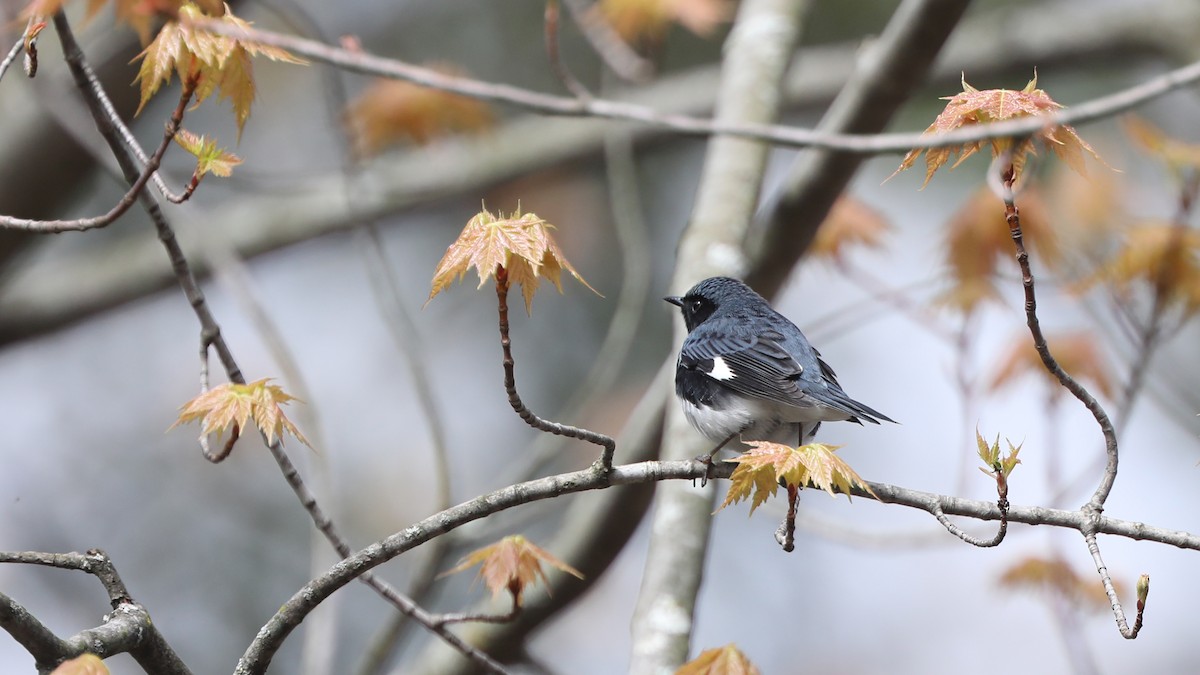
<point x="98" y="349"/>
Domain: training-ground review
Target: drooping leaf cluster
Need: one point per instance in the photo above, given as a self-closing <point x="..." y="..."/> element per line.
<point x="232" y="406"/>
<point x="520" y="244"/>
<point x="513" y="564"/>
<point x="972" y="106"/>
<point x="761" y="469"/>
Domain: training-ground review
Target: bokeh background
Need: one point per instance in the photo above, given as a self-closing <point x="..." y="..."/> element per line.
<point x="98" y="349"/>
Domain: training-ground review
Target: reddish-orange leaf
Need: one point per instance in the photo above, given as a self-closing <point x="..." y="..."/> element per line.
<point x="972" y="106"/>
<point x="85" y="664"/>
<point x="1053" y="575"/>
<point x="237" y="405"/>
<point x="513" y="564"/>
<point x="648" y="20"/>
<point x="727" y="660"/>
<point x="1077" y="353"/>
<point x="520" y="243"/>
<point x="760" y="470"/>
<point x="850" y="223"/>
<point x="389" y="112"/>
<point x="209" y="157"/>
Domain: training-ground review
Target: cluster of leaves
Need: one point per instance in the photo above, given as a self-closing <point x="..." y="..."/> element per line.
<point x="762" y="469"/>
<point x="513" y="564"/>
<point x="997" y="464"/>
<point x="972" y="106"/>
<point x="519" y="244"/>
<point x="232" y="406"/>
<point x="209" y="157"/>
<point x="389" y="112"/>
<point x="215" y="63"/>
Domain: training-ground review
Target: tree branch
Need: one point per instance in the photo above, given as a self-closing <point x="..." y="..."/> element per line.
<point x="361" y="62"/>
<point x="126" y="629"/>
<point x="271" y="636"/>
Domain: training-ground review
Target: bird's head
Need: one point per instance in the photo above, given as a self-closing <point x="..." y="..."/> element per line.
<point x="706" y="297"/>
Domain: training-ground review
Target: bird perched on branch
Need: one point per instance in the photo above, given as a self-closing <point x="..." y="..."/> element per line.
<point x="746" y="370"/>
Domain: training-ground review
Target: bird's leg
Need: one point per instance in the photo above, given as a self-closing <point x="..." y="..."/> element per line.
<point x="708" y="459"/>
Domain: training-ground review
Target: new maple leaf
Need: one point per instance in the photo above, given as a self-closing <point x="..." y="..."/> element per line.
<point x="512" y="564"/>
<point x="391" y="111"/>
<point x="972" y="106"/>
<point x="727" y="660"/>
<point x="519" y="243"/>
<point x="209" y="157"/>
<point x="236" y="405"/>
<point x="991" y="457"/>
<point x="761" y="469"/>
<point x="215" y="63"/>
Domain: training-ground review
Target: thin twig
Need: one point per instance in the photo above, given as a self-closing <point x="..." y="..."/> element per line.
<point x="563" y="73"/>
<point x="11" y="56"/>
<point x="1013" y="218"/>
<point x="361" y="62"/>
<point x="1092" y="510"/>
<point x="514" y="399"/>
<point x="511" y="615"/>
<point x="1001" y="504"/>
<point x="620" y="58"/>
<point x="130" y="196"/>
<point x="101" y="95"/>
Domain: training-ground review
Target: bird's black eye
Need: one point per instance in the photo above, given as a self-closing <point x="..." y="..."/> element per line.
<point x="696" y="305"/>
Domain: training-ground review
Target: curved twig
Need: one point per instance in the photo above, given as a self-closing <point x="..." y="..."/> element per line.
<point x="514" y="399"/>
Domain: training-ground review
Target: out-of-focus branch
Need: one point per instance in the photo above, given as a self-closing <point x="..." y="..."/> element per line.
<point x="885" y="75"/>
<point x="757" y="53"/>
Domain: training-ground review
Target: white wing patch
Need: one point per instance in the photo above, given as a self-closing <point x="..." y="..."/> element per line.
<point x="720" y="370"/>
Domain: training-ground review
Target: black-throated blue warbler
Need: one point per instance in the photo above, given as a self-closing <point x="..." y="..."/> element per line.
<point x="746" y="371"/>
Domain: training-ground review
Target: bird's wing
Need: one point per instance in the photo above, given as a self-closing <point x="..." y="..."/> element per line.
<point x="762" y="366"/>
<point x="754" y="365"/>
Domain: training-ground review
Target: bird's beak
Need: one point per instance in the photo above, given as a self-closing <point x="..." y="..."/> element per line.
<point x="674" y="300"/>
